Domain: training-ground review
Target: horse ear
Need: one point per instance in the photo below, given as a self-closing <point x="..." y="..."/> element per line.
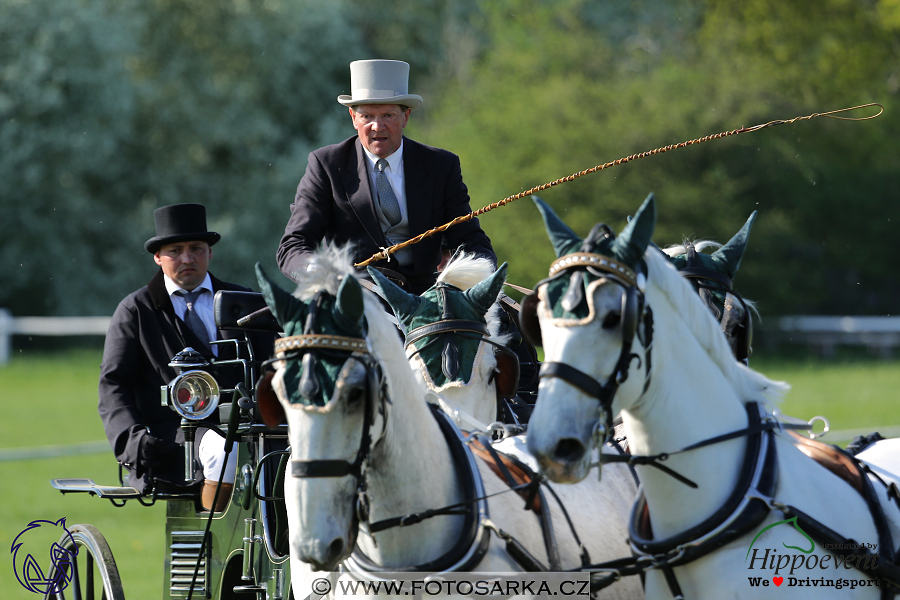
<point x="729" y="256"/>
<point x="630" y="245"/>
<point x="284" y="306"/>
<point x="563" y="239"/>
<point x="348" y="305"/>
<point x="484" y="293"/>
<point x="403" y="303"/>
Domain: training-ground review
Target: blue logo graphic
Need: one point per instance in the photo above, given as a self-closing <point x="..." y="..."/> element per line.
<point x="33" y="547"/>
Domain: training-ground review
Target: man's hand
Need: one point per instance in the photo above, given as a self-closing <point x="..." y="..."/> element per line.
<point x="155" y="453"/>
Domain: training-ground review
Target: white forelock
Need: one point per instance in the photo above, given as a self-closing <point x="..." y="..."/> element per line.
<point x="328" y="267"/>
<point x="466" y="271"/>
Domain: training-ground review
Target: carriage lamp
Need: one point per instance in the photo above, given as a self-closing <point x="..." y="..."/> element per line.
<point x="193" y="394"/>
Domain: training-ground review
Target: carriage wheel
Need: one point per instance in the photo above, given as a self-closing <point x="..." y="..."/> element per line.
<point x="92" y="574"/>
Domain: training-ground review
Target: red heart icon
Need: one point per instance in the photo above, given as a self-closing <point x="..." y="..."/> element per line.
<point x="778" y="580"/>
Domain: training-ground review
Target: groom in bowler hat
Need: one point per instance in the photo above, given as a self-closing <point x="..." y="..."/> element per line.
<point x="149" y="327"/>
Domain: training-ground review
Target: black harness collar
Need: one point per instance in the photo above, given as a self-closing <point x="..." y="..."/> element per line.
<point x="744" y="509"/>
<point x="472" y="545"/>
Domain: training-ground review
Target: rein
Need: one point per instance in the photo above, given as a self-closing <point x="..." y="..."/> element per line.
<point x="749" y="503"/>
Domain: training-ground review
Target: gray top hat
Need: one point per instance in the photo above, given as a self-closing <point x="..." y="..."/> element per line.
<point x="180" y="223"/>
<point x="380" y="82"/>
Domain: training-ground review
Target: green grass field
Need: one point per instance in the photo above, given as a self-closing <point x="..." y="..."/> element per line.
<point x="51" y="399"/>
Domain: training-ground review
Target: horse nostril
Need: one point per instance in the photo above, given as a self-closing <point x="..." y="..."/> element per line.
<point x="569" y="450"/>
<point x="335" y="548"/>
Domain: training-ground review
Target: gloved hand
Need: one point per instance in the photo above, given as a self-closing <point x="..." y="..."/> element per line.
<point x="155" y="453"/>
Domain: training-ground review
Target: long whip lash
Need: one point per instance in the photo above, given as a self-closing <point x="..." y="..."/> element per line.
<point x="386" y="252"/>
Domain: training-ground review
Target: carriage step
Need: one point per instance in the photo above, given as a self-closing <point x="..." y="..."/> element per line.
<point x="77" y="484"/>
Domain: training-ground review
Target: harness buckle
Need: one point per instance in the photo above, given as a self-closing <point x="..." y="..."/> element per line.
<point x="754" y="494"/>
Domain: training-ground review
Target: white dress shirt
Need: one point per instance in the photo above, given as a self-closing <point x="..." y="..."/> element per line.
<point x="203" y="306"/>
<point x="395" y="176"/>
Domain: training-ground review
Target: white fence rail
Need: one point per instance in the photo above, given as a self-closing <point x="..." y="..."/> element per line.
<point x="881" y="334"/>
<point x="65" y="326"/>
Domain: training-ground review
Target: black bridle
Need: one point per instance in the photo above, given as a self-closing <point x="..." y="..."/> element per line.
<point x="634" y="312"/>
<point x="447" y="328"/>
<point x="708" y="281"/>
<point x="307" y="348"/>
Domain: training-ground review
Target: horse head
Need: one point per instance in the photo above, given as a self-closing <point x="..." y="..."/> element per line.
<point x="329" y="390"/>
<point x="591" y="317"/>
<point x="712" y="275"/>
<point x="450" y="343"/>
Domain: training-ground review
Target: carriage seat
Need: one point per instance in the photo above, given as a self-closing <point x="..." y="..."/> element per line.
<point x="243" y="311"/>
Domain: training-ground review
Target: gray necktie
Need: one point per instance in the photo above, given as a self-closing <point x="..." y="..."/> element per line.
<point x="386" y="198"/>
<point x="191" y="317"/>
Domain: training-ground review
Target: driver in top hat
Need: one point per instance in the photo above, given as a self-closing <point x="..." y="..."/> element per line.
<point x="149" y="327"/>
<point x="341" y="200"/>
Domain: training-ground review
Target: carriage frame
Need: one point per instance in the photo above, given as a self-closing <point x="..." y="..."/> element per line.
<point x="239" y="552"/>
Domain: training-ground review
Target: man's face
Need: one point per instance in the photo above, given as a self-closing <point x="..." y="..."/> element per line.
<point x="380" y="126"/>
<point x="185" y="263"/>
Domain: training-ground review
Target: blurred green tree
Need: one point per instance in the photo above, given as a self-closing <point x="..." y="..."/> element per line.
<point x="560" y="87"/>
<point x="110" y="109"/>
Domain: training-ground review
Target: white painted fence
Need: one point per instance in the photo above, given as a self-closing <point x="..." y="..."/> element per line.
<point x="10" y="326"/>
<point x="882" y="334"/>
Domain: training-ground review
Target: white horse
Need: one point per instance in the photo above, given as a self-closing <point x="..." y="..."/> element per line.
<point x="706" y="502"/>
<point x="367" y="450"/>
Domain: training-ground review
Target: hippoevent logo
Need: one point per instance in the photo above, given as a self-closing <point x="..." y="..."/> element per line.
<point x="40" y="563"/>
<point x="839" y="567"/>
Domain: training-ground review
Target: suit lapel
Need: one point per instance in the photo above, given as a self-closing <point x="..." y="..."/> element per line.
<point x="419" y="197"/>
<point x="359" y="193"/>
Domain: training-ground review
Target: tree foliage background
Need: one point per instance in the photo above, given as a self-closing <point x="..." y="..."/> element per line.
<point x="111" y="109"/>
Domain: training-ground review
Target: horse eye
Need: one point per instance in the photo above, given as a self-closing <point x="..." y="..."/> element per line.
<point x="354" y="395"/>
<point x="612" y="320"/>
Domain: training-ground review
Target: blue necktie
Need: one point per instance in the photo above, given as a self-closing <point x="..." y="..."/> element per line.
<point x="191" y="317"/>
<point x="386" y="198"/>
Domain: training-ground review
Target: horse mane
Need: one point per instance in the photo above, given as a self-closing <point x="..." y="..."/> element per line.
<point x="748" y="384"/>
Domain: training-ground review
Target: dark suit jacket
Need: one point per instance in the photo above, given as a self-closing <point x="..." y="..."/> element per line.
<point x="143" y="336"/>
<point x="334" y="202"/>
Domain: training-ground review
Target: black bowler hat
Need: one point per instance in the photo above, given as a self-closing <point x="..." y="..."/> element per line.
<point x="180" y="223"/>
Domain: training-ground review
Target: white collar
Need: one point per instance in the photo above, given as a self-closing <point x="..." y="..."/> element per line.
<point x="395" y="160"/>
<point x="172" y="287"/>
